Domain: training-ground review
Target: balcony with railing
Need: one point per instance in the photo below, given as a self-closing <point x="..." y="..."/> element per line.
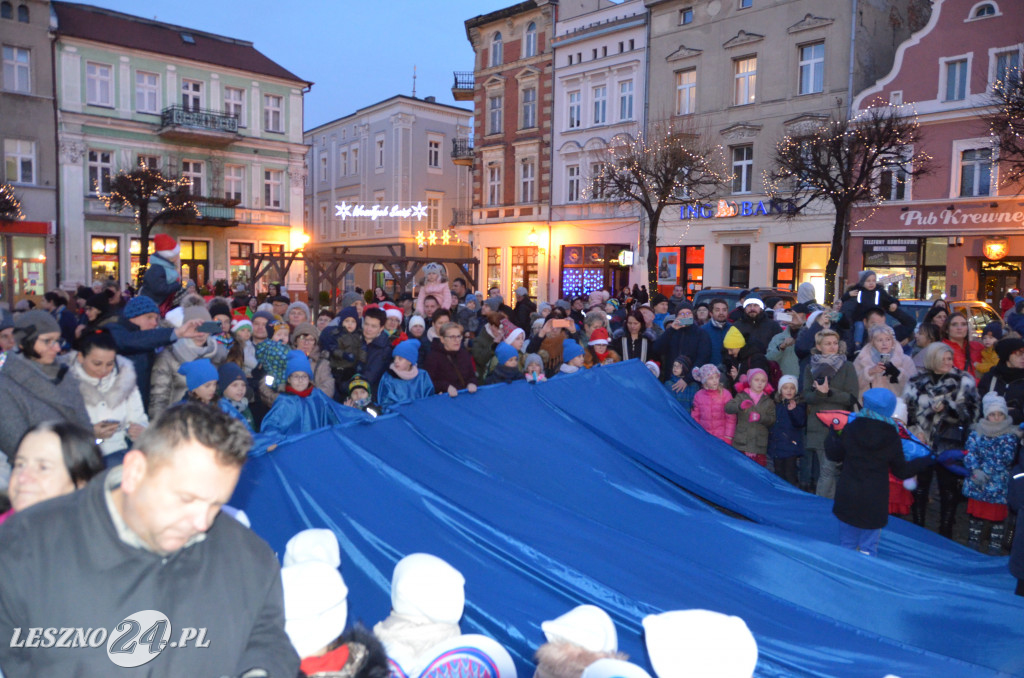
<point x="462" y="151"/>
<point x="198" y="125"/>
<point x="462" y="88"/>
<point x="212" y="211"/>
<point x="461" y="217"/>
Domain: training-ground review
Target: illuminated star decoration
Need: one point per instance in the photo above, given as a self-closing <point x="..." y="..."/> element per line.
<point x="432" y="238"/>
<point x="445" y="237"/>
<point x="343" y="210"/>
<point x="420" y="238"/>
<point x="419" y="211"/>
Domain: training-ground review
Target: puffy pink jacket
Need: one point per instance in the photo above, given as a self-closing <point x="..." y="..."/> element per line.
<point x="709" y="412"/>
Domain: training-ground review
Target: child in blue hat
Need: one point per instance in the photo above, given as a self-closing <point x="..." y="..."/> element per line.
<point x="233" y="388"/>
<point x="302" y="407"/>
<point x="572" y="357"/>
<point x="404" y="381"/>
<point x="200" y="380"/>
<point x="507" y="369"/>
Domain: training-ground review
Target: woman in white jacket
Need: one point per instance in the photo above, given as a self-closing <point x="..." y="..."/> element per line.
<point x="107" y="384"/>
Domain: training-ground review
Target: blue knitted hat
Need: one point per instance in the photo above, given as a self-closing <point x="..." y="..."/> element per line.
<point x="297" y="362"/>
<point x="408" y="349"/>
<point x="879" y="400"/>
<point x="139" y="305"/>
<point x="570" y="350"/>
<point x="197" y="373"/>
<point x="505" y="352"/>
<point x="228" y="373"/>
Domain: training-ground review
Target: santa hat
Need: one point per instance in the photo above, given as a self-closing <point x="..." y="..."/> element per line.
<point x="391" y="311"/>
<point x="166" y="246"/>
<point x="241" y="324"/>
<point x="599" y="336"/>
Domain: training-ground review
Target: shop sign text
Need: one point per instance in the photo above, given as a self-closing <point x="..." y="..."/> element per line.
<point x="346" y="210"/>
<point x="731" y="208"/>
<point x="959" y="217"/>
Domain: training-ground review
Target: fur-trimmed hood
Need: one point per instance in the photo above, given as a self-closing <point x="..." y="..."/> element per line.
<point x="113" y="389"/>
<point x="565" y="660"/>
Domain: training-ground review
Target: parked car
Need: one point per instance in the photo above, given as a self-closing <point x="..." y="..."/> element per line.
<point x="734" y="295"/>
<point x="979" y="313"/>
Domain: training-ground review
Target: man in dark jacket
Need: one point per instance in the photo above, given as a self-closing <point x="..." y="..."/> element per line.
<point x="524" y="307"/>
<point x="716" y="327"/>
<point x="378" y="348"/>
<point x="683" y="337"/>
<point x="755" y="324"/>
<point x="144" y="556"/>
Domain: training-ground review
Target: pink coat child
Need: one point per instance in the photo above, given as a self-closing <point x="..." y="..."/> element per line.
<point x="435" y="284"/>
<point x="709" y="404"/>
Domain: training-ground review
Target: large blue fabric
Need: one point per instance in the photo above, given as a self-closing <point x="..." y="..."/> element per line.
<point x="292" y="415"/>
<point x="587" y="490"/>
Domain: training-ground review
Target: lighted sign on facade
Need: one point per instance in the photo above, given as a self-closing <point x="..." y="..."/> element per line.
<point x="346" y="210"/>
<point x="731" y="208"/>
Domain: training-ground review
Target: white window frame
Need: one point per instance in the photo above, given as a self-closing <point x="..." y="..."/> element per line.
<point x="99" y="170"/>
<point x="273" y="113"/>
<point x="343" y="162"/>
<point x="152" y="161"/>
<point x="353" y="152"/>
<point x="495" y="113"/>
<point x="18" y="152"/>
<point x="528" y="180"/>
<point x="686" y="91"/>
<point x="435" y="144"/>
<point x="234" y="182"/>
<point x="626" y="100"/>
<point x="235" y="106"/>
<point x="572" y="183"/>
<point x="896" y="169"/>
<point x="944" y="64"/>
<point x="494" y="184"/>
<point x="378" y="153"/>
<point x="813" y="66"/>
<point x="961" y="146"/>
<point x="324" y="222"/>
<point x="17" y="73"/>
<point x="323" y="168"/>
<point x="497" y="50"/>
<point x="193" y="94"/>
<point x="686" y="16"/>
<point x="528" y="97"/>
<point x="147" y="92"/>
<point x="573" y="110"/>
<point x="193" y="170"/>
<point x="434" y="202"/>
<point x="995" y="53"/>
<point x="744" y="81"/>
<point x="742" y="169"/>
<point x="273" y="193"/>
<point x="99" y="84"/>
<point x="600" y="98"/>
<point x="530" y="40"/>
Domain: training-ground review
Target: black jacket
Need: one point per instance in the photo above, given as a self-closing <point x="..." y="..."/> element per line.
<point x="1015" y="500"/>
<point x="761" y="329"/>
<point x="689" y="341"/>
<point x="521" y="315"/>
<point x="140" y="347"/>
<point x="62" y="564"/>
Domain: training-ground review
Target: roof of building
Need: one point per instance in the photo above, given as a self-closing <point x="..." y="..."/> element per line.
<point x="114" y="28"/>
<point x="396" y="98"/>
<point x="499" y="14"/>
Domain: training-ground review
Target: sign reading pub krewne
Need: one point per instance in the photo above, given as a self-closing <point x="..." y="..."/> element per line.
<point x="978" y="216"/>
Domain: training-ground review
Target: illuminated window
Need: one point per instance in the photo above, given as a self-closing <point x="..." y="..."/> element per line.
<point x="746" y="80"/>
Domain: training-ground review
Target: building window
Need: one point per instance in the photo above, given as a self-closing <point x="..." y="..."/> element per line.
<point x="686" y="16"/>
<point x="573" y="110"/>
<point x="379" y="152"/>
<point x="812" y="68"/>
<point x="1007" y="67"/>
<point x="985" y="10"/>
<point x="496" y="50"/>
<point x="956" y="80"/>
<point x="626" y="100"/>
<point x="23" y="14"/>
<point x="686" y="91"/>
<point x="975" y="172"/>
<point x="98" y="85"/>
<point x="17" y="69"/>
<point x="272" y="107"/>
<point x="323" y="168"/>
<point x="6" y="10"/>
<point x="742" y="169"/>
<point x="524" y="269"/>
<point x="572" y="193"/>
<point x="234" y="104"/>
<point x="20" y="161"/>
<point x="101" y="168"/>
<point x="739" y="265"/>
<point x="433" y="153"/>
<point x="355" y="160"/>
<point x="238" y="262"/>
<point x="530" y="43"/>
<point x="234" y="176"/>
<point x="494" y="184"/>
<point x="746" y="4"/>
<point x="148" y="162"/>
<point x="433" y="213"/>
<point x="272" y="180"/>
<point x="324" y="222"/>
<point x="495" y="104"/>
<point x="191" y="95"/>
<point x="907" y="267"/>
<point x="600" y="105"/>
<point x="493" y="267"/>
<point x="746" y="80"/>
<point x="596" y="185"/>
<point x="147" y="92"/>
<point x="343" y="163"/>
<point x="529" y="108"/>
<point x="105" y="251"/>
<point x="527" y="181"/>
<point x="193" y="171"/>
<point x="894" y="179"/>
<point x="195" y="260"/>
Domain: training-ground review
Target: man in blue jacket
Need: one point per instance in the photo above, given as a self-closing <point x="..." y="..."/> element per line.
<point x="716" y="327"/>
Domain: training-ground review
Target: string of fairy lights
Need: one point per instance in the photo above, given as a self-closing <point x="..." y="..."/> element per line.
<point x="142" y="185"/>
<point x="1006" y="123"/>
<point x="10" y="205"/>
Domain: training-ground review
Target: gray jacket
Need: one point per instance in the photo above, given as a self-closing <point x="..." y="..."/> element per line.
<point x="63" y="565"/>
<point x="166" y="386"/>
<point x="28" y="397"/>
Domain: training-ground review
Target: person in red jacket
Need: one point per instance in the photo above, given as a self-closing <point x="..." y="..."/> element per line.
<point x="965" y="351"/>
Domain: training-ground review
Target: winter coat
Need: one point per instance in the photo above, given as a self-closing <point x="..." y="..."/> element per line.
<point x="684" y="397"/>
<point x="450" y="368"/>
<point x="504" y="375"/>
<point x="1015" y="500"/>
<point x="717" y="336"/>
<point x="842" y="395"/>
<point x="866" y="360"/>
<point x="378" y="357"/>
<point x="30" y="396"/>
<point x="438" y="290"/>
<point x="470" y="320"/>
<point x="787" y="435"/>
<point x="160" y="280"/>
<point x="243" y="415"/>
<point x="522" y="312"/>
<point x="626" y="347"/>
<point x="869" y="450"/>
<point x="394" y="390"/>
<point x="761" y="329"/>
<point x="988" y="360"/>
<point x="349" y="351"/>
<point x="965" y="357"/>
<point x="689" y="341"/>
<point x="785" y="358"/>
<point x="709" y="412"/>
<point x="140" y="347"/>
<point x="323" y="378"/>
<point x="115" y="397"/>
<point x="1008" y="382"/>
<point x="857" y="301"/>
<point x="993" y="455"/>
<point x="167" y="387"/>
<point x="752" y="436"/>
<point x="483" y="351"/>
<point x="956" y="391"/>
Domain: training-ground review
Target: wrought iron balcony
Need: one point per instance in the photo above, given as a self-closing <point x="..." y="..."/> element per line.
<point x="198" y="123"/>
<point x="461" y="217"/>
<point x="462" y="88"/>
<point x="462" y="151"/>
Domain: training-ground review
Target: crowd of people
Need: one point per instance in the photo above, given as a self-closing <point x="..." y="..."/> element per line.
<point x="96" y="379"/>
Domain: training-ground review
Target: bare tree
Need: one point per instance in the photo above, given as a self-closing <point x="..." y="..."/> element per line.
<point x="1006" y="124"/>
<point x="846" y="163"/>
<point x="152" y="198"/>
<point x="670" y="164"/>
<point x="10" y="206"/>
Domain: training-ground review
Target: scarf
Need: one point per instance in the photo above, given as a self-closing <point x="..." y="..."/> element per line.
<point x="756" y="397"/>
<point x="566" y="368"/>
<point x="170" y="270"/>
<point x="240" y="405"/>
<point x="186" y="350"/>
<point x="871" y="414"/>
<point x="834" y="361"/>
<point x="330" y="662"/>
<point x="717" y="325"/>
<point x="405" y="375"/>
<point x="553" y="346"/>
<point x="993" y="429"/>
<point x="301" y="394"/>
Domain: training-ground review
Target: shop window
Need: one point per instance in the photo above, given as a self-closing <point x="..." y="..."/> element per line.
<point x="693" y="269"/>
<point x="195" y="261"/>
<point x="739" y="266"/>
<point x="493" y="267"/>
<point x="908" y="267"/>
<point x="134" y="247"/>
<point x="524" y="270"/>
<point x="22" y="266"/>
<point x="238" y="262"/>
<point x="586" y="268"/>
<point x="785" y="267"/>
<point x="106" y="257"/>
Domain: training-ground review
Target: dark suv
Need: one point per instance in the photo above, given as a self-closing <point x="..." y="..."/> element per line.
<point x="733" y="295"/>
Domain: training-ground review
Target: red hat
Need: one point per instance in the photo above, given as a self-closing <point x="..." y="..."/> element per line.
<point x="166" y="246"/>
<point x="598" y="336"/>
<point x="391" y="311"/>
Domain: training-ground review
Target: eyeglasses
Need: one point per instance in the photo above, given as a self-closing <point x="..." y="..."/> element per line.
<point x="453" y="336"/>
